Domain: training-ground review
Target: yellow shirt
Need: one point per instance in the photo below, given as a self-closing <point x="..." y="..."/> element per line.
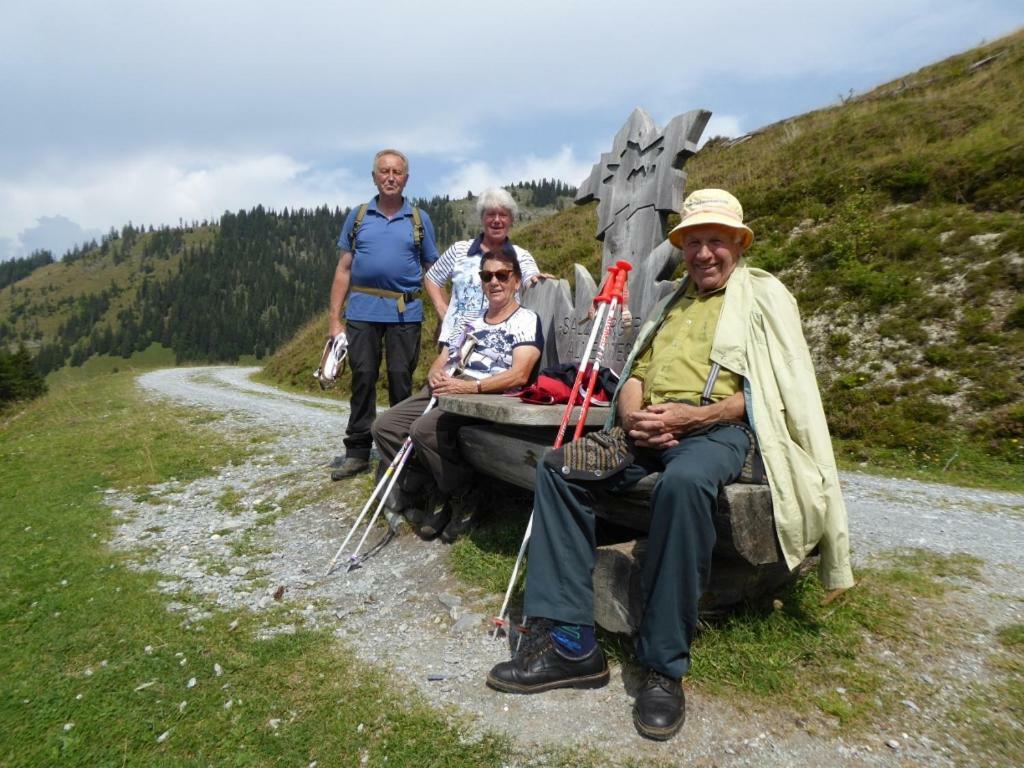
<point x="760" y="336"/>
<point x="676" y="366"/>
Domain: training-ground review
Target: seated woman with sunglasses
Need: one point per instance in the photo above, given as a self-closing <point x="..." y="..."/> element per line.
<point x="505" y="353"/>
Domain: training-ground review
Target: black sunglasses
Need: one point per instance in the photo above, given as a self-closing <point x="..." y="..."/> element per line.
<point x="502" y="274"/>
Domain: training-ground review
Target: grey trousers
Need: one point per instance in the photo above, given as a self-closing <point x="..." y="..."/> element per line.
<point x="434" y="437"/>
<point x="559" y="577"/>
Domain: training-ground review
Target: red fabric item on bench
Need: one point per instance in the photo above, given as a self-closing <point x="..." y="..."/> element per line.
<point x="554" y="385"/>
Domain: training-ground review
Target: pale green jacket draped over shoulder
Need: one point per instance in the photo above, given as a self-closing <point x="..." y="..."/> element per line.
<point x="759" y="337"/>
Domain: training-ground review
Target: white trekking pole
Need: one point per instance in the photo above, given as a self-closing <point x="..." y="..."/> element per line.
<point x="607" y="300"/>
<point x="391" y="472"/>
<point x="402" y="457"/>
<point x="390" y="476"/>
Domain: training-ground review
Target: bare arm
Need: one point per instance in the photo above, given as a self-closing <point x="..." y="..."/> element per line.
<point x="339" y="290"/>
<point x="436" y="375"/>
<point x="630" y="401"/>
<point x="438" y="297"/>
<point x="524" y="357"/>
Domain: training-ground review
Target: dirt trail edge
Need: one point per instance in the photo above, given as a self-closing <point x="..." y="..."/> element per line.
<point x="276" y="520"/>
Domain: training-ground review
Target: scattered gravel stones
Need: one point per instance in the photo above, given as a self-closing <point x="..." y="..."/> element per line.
<point x="467" y="623"/>
<point x="403" y="611"/>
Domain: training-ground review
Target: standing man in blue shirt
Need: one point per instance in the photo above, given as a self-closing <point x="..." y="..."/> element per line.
<point x="386" y="245"/>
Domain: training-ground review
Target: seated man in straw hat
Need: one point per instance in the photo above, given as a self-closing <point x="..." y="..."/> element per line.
<point x="724" y="354"/>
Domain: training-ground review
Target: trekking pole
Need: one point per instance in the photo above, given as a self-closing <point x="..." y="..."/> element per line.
<point x="390" y="476"/>
<point x="607" y="299"/>
<point x="616" y="298"/>
<point x="602" y="306"/>
<point x="402" y="456"/>
<point x="366" y="508"/>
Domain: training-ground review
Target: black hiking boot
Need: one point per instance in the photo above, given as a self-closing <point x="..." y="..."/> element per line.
<point x="435" y="514"/>
<point x="349" y="467"/>
<point x="660" y="707"/>
<point x="539" y="667"/>
<point x="464" y="511"/>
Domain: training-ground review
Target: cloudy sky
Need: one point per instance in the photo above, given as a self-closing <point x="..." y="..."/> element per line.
<point x="154" y="112"/>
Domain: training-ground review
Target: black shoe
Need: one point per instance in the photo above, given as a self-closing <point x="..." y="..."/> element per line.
<point x="349" y="467"/>
<point x="433" y="520"/>
<point x="336" y="462"/>
<point x="539" y="667"/>
<point x="660" y="707"/>
<point x="463" y="514"/>
<point x="428" y="515"/>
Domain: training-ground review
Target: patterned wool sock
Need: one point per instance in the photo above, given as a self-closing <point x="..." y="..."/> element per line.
<point x="574" y="641"/>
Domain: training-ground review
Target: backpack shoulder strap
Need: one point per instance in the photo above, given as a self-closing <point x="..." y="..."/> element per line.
<point x="417" y="230"/>
<point x="358" y="223"/>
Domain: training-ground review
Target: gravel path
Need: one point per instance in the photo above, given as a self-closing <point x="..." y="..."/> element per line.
<point x="406" y="612"/>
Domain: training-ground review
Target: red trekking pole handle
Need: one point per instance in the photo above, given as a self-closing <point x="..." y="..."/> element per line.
<point x="612" y="287"/>
<point x="622" y="269"/>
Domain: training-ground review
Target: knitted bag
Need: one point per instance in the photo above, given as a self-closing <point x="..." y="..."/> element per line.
<point x="595" y="456"/>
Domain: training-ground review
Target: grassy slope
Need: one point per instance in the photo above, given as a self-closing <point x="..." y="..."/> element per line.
<point x="43" y="301"/>
<point x="896" y="220"/>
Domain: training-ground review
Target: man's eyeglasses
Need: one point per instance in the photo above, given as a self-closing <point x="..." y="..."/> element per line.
<point x="502" y="274"/>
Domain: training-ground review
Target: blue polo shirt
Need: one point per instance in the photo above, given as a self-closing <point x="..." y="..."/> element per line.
<point x="385" y="257"/>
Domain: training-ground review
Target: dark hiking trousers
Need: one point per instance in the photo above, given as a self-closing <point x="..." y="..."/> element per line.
<point x="434" y="437"/>
<point x="559" y="583"/>
<point x="401" y="347"/>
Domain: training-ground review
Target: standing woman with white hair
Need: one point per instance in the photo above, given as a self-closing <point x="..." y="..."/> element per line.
<point x="460" y="264"/>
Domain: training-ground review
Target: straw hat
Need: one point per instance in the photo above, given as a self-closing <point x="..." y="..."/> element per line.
<point x="711" y="206"/>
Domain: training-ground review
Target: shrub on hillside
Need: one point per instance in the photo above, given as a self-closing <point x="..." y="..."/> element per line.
<point x="902" y="328"/>
<point x="1003" y="432"/>
<point x="19" y="379"/>
<point x="1015" y="317"/>
<point x="974" y="326"/>
<point x="906" y="180"/>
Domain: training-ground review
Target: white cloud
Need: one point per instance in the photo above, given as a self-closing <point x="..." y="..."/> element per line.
<point x="478" y="175"/>
<point x="56" y="234"/>
<point x="263" y="96"/>
<point x="161" y="189"/>
<point x="721" y="125"/>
